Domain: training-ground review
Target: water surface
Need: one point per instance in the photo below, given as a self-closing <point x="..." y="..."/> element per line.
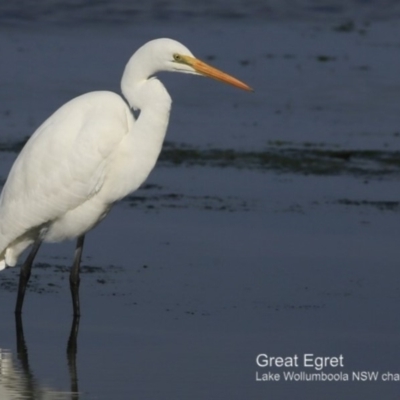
<point x="270" y="225"/>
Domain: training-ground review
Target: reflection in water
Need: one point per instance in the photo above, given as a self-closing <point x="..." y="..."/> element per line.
<point x="16" y="378"/>
<point x="72" y="349"/>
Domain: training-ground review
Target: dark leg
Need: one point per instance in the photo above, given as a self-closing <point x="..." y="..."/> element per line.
<point x="74" y="279"/>
<point x="22" y="352"/>
<point x="25" y="274"/>
<point x="72" y="350"/>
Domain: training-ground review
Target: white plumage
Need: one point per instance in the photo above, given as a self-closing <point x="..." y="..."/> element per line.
<point x="57" y="182"/>
<point x="92" y="152"/>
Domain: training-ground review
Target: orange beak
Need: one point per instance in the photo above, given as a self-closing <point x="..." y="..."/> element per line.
<point x="207" y="70"/>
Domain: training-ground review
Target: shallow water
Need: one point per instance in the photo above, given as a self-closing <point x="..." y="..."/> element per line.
<point x="127" y="11"/>
<point x="270" y="225"/>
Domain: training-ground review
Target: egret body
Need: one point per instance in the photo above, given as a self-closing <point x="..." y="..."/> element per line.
<point x="89" y="154"/>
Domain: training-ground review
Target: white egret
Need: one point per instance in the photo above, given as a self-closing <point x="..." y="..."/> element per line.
<point x="89" y="154"/>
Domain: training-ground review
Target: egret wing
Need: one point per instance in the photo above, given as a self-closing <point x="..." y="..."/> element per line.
<point x="63" y="164"/>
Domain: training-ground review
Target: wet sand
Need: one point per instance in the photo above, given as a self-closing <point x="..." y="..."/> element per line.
<point x="270" y="225"/>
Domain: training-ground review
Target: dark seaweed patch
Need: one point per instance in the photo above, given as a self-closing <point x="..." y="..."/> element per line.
<point x="346" y="26"/>
<point x="180" y="201"/>
<point x="13" y="147"/>
<point x="380" y="205"/>
<point x="50" y="278"/>
<point x="284" y="158"/>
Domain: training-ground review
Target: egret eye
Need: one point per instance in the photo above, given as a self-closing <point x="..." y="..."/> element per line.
<point x="178" y="57"/>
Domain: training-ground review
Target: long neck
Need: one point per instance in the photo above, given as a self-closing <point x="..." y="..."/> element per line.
<point x="137" y="84"/>
<point x="149" y="130"/>
<point x="146" y="94"/>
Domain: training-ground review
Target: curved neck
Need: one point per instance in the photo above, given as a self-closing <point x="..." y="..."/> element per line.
<point x="152" y="99"/>
<point x="137" y="84"/>
<point x="146" y="93"/>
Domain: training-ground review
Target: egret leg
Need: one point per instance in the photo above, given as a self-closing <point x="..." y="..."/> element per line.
<point x="72" y="350"/>
<point x="74" y="279"/>
<point x="25" y="274"/>
<point x="22" y="353"/>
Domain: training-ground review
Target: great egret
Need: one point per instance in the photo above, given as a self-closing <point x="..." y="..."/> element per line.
<point x="90" y="153"/>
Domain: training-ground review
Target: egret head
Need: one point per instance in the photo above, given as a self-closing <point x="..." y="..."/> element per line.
<point x="182" y="60"/>
<point x="170" y="55"/>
